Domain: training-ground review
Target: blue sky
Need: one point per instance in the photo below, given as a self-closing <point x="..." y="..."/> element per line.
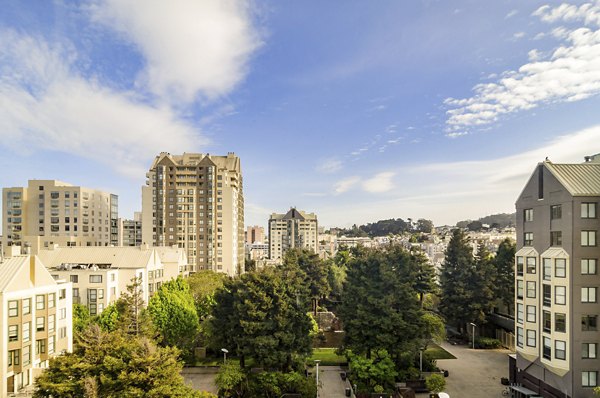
<point x="354" y="110"/>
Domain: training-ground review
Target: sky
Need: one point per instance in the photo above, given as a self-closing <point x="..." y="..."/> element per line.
<point x="354" y="110"/>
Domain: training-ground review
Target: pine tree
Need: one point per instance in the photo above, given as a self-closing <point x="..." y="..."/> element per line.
<point x="504" y="263"/>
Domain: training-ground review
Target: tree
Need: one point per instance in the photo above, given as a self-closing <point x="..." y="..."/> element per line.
<point x="114" y="365"/>
<point x="133" y="319"/>
<point x="315" y="273"/>
<point x="504" y="263"/>
<point x="435" y="383"/>
<point x="371" y="372"/>
<point x="482" y="286"/>
<point x="109" y="318"/>
<point x="230" y="380"/>
<point x="380" y="307"/>
<point x="173" y="312"/>
<point x="425" y="275"/>
<point x="425" y="226"/>
<point x="203" y="285"/>
<point x="262" y="315"/>
<point x="81" y="318"/>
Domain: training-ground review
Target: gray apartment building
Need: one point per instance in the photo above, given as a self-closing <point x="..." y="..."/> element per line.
<point x="556" y="282"/>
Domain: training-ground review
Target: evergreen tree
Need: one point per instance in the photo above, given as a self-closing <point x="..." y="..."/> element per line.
<point x="314" y="270"/>
<point x="133" y="319"/>
<point x="483" y="284"/>
<point x="504" y="263"/>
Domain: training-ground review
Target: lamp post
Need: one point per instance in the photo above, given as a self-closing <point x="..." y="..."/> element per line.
<point x="472" y="324"/>
<point x="224" y="355"/>
<point x="317" y="362"/>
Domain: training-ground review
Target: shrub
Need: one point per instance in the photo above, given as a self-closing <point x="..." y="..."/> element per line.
<point x="435" y="383"/>
<point x="487" y="343"/>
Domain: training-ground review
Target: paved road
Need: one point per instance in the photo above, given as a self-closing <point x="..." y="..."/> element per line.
<point x="331" y="384"/>
<point x="475" y="373"/>
<point x="201" y="379"/>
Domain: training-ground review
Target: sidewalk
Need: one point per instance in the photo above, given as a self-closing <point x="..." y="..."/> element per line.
<point x="331" y="384"/>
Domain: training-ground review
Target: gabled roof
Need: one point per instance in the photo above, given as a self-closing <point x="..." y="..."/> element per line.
<point x="582" y="179"/>
<point x="169" y="254"/>
<point x="117" y="257"/>
<point x="9" y="268"/>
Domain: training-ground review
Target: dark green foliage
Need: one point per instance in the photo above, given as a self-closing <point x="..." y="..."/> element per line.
<point x="380" y="307"/>
<point x="368" y="373"/>
<point x="388" y="227"/>
<point x="314" y="272"/>
<point x="114" y="365"/>
<point x="173" y="312"/>
<point x="435" y="383"/>
<point x="504" y="287"/>
<point x="263" y="315"/>
<point x="231" y="380"/>
<point x="494" y="221"/>
<point x="487" y="343"/>
<point x="133" y="319"/>
<point x="275" y="384"/>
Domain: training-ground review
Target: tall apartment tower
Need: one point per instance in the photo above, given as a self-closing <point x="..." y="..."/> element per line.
<point x="255" y="234"/>
<point x="557" y="281"/>
<point x="196" y="202"/>
<point x="294" y="229"/>
<point x="48" y="212"/>
<point x="130" y="231"/>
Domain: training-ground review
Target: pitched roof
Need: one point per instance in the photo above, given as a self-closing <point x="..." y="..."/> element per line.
<point x="116" y="257"/>
<point x="9" y="268"/>
<point x="582" y="179"/>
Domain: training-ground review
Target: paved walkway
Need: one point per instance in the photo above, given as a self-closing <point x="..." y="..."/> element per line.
<point x="474" y="373"/>
<point x="201" y="378"/>
<point x="331" y="384"/>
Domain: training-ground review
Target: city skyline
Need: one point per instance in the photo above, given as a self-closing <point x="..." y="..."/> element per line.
<point x="433" y="109"/>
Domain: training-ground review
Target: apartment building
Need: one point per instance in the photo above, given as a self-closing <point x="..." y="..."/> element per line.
<point x="48" y="212"/>
<point x="556" y="281"/>
<point x="294" y="229"/>
<point x="130" y="231"/>
<point x="101" y="274"/>
<point x="196" y="202"/>
<point x="255" y="234"/>
<point x="36" y="317"/>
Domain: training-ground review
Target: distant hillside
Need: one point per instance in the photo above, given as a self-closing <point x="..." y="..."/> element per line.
<point x="387" y="227"/>
<point x="502" y="220"/>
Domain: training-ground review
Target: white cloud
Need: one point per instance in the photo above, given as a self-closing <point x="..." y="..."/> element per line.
<point x="534" y="55"/>
<point x="329" y="166"/>
<point x="191" y="47"/>
<point x="571" y="74"/>
<point x="46" y="105"/>
<point x="381" y="182"/>
<point x="511" y="14"/>
<point x="519" y="35"/>
<point x="345" y="184"/>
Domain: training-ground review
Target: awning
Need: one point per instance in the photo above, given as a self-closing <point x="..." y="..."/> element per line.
<point x="525" y="391"/>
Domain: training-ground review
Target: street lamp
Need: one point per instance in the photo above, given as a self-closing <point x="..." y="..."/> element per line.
<point x="224" y="355"/>
<point x="317" y="362"/>
<point x="472" y="324"/>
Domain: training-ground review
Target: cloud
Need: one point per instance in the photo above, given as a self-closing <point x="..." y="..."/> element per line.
<point x="329" y="166"/>
<point x="534" y="55"/>
<point x="45" y="104"/>
<point x="511" y="14"/>
<point x="381" y="182"/>
<point x="570" y="74"/>
<point x="345" y="184"/>
<point x="519" y="35"/>
<point x="191" y="47"/>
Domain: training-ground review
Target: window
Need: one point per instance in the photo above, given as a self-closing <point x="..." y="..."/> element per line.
<point x="40" y="346"/>
<point x="530" y="289"/>
<point x="51" y="322"/>
<point x="547" y="271"/>
<point x="530" y="338"/>
<point x="547" y="295"/>
<point x="531" y="265"/>
<point x="528" y="239"/>
<point x="588" y="378"/>
<point x="14" y="357"/>
<point x="519" y="313"/>
<point x="560" y="268"/>
<point x="26" y="332"/>
<point x="528" y="214"/>
<point x="74" y="278"/>
<point x="62" y="294"/>
<point x="40" y="324"/>
<point x="95" y="278"/>
<point x="588" y="238"/>
<point x="588" y="266"/>
<point x="588" y="294"/>
<point x="589" y="350"/>
<point x="62" y="332"/>
<point x="51" y="340"/>
<point x="560" y="349"/>
<point x="560" y="295"/>
<point x="555" y="238"/>
<point x="547" y="348"/>
<point x="51" y="300"/>
<point x="13" y="308"/>
<point x="589" y="323"/>
<point x="560" y="322"/>
<point x="520" y="336"/>
<point x="62" y="313"/>
<point x="26" y="355"/>
<point x="40" y="302"/>
<point x="13" y="333"/>
<point x="556" y="212"/>
<point x="520" y="266"/>
<point x="547" y="321"/>
<point x="26" y="306"/>
<point x="531" y="313"/>
<point x="588" y="210"/>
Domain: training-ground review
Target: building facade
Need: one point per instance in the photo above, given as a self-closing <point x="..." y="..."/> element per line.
<point x="557" y="304"/>
<point x="196" y="202"/>
<point x="48" y="212"/>
<point x="36" y="315"/>
<point x="294" y="229"/>
<point x="130" y="231"/>
<point x="255" y="234"/>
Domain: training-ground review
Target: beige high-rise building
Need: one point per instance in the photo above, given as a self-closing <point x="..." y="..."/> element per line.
<point x="295" y="228"/>
<point x="48" y="212"/>
<point x="255" y="234"/>
<point x="196" y="202"/>
<point x="130" y="231"/>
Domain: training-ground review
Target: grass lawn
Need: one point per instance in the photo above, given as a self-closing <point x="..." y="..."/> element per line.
<point x="327" y="356"/>
<point x="434" y="351"/>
